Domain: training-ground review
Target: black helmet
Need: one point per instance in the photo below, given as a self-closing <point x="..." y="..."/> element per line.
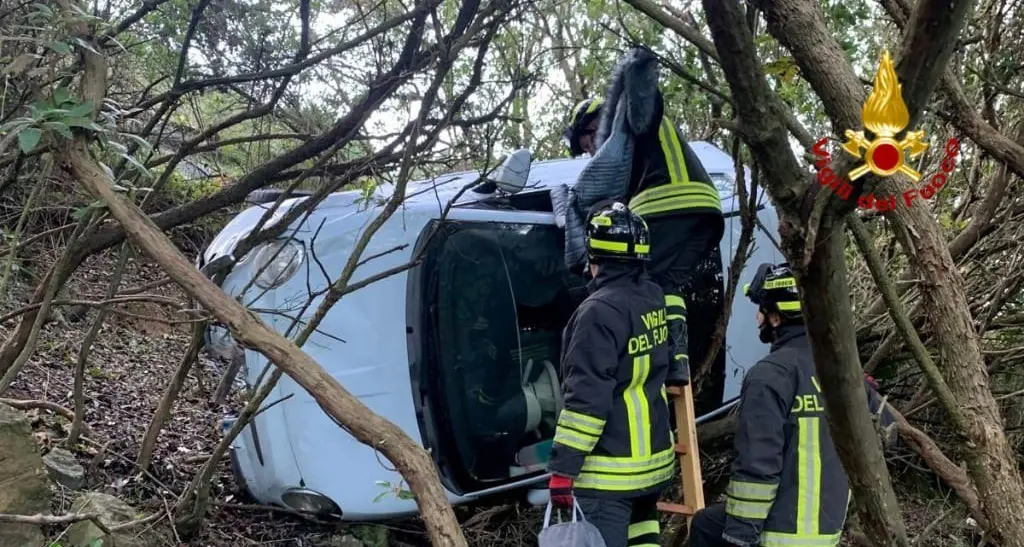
<point x="614" y="233"/>
<point x="774" y="290"/>
<point x="583" y="113"/>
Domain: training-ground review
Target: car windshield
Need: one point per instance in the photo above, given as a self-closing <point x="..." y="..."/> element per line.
<point x="503" y="297"/>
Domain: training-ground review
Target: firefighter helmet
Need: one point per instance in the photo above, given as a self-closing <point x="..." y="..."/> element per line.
<point x="585" y="112"/>
<point x="774" y="290"/>
<point x="614" y="233"/>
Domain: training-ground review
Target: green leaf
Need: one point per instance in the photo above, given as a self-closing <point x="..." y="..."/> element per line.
<point x="63" y="129"/>
<point x="85" y="45"/>
<point x="81" y="110"/>
<point x="59" y="47"/>
<point x="779" y="66"/>
<point x="80" y="212"/>
<point x="28" y="138"/>
<point x="141" y="168"/>
<point x="96" y="542"/>
<point x="82" y="122"/>
<point x="143" y="143"/>
<point x="379" y="497"/>
<point x="61" y="95"/>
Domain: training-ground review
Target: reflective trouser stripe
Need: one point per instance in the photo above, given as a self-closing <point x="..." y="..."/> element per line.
<point x="638" y="409"/>
<point x="674" y="197"/>
<point x="778" y="539"/>
<point x="808" y="502"/>
<point x="673" y="152"/>
<point x="644" y="534"/>
<point x="624" y="474"/>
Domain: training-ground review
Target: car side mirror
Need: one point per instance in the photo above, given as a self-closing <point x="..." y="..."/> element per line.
<point x="511" y="176"/>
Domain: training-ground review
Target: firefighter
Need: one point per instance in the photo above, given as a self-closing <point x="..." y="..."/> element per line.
<point x="787" y="486"/>
<point x="670" y="189"/>
<point x="612" y="448"/>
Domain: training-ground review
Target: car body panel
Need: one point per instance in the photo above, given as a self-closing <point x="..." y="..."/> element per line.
<point x="362" y="339"/>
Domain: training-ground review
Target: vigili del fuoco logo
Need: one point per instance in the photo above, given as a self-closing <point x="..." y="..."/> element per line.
<point x="885" y="116"/>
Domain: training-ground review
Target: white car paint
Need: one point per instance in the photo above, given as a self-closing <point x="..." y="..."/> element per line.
<point x="366" y="349"/>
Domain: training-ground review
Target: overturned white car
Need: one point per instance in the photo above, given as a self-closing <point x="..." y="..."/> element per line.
<point x="461" y="351"/>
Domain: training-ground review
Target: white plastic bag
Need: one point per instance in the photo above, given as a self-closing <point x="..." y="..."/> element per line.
<point x="575" y="533"/>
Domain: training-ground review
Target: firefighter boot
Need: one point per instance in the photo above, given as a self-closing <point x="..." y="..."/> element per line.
<point x="679" y="364"/>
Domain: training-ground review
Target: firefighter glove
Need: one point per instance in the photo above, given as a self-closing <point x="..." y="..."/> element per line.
<point x="560" y="489"/>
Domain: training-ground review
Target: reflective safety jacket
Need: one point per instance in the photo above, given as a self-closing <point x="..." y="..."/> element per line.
<point x="787" y="487"/>
<point x="667" y="177"/>
<point x="613" y="435"/>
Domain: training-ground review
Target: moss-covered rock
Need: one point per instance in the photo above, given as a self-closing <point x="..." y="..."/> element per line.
<point x="26" y="489"/>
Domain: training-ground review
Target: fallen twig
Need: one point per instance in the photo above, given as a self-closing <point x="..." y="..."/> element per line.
<point x="29" y="404"/>
<point x="156" y="299"/>
<point x="44" y="520"/>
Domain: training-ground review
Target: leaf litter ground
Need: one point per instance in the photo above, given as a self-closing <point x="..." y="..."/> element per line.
<point x="129" y="367"/>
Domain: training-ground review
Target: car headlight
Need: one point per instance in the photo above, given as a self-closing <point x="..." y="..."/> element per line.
<point x="276" y="262"/>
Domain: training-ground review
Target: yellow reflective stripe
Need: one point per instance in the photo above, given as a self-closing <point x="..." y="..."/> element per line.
<point x="601" y="221"/>
<point x="581" y="422"/>
<point x="676" y="204"/>
<point x="675" y="300"/>
<point x="594" y="105"/>
<point x="645" y="527"/>
<point x="779" y="539"/>
<point x="637" y="409"/>
<point x="782" y="283"/>
<point x="808" y="501"/>
<point x="639" y="481"/>
<point x="575" y="439"/>
<point x="788" y="306"/>
<point x="701" y="190"/>
<point x="664" y="397"/>
<point x="747" y="509"/>
<point x="752" y="490"/>
<point x="673" y="153"/>
<point x="620" y="246"/>
<point x="627" y="464"/>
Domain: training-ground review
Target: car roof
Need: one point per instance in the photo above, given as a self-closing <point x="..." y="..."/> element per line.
<point x="545" y="174"/>
<point x="426" y="199"/>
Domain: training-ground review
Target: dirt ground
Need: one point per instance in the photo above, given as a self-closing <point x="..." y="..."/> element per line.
<point x="126" y="374"/>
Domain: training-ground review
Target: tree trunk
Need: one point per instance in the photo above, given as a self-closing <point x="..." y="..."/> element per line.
<point x="830" y="327"/>
<point x="411" y="460"/>
<point x="990" y="459"/>
<point x="821" y="275"/>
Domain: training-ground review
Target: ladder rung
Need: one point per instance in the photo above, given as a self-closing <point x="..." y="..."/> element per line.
<point x="676" y="508"/>
<point x="680" y="449"/>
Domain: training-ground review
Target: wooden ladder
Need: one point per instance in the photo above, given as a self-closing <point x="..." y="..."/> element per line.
<point x="689" y="456"/>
